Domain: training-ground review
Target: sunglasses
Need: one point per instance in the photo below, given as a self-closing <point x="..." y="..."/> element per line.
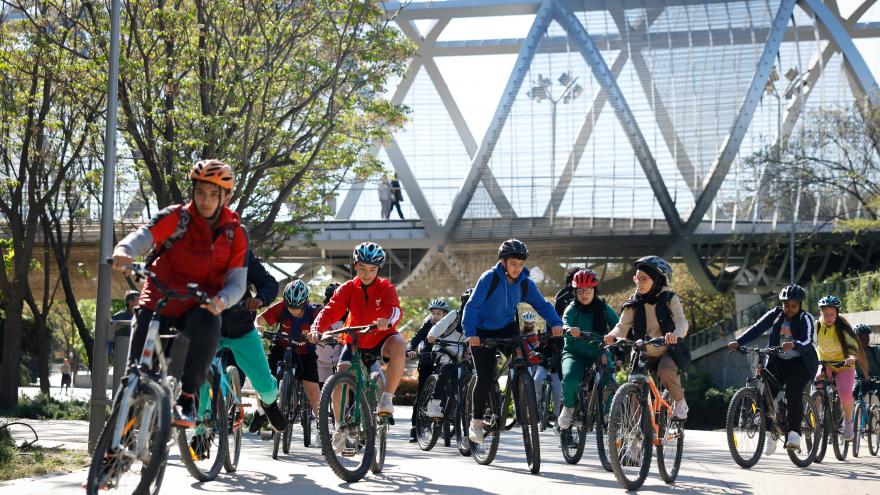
<point x="637" y="279"/>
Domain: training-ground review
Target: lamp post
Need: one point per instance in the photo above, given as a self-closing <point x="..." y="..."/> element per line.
<point x="543" y="90"/>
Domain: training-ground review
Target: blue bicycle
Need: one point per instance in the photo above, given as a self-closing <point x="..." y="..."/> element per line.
<point x="866" y="415"/>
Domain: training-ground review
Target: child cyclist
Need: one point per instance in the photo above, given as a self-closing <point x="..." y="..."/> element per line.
<point x="836" y="341"/>
<point x="294" y="315"/>
<point x="491" y="313"/>
<point x="369" y="299"/>
<point x="437" y="308"/>
<point x="201" y="242"/>
<point x="794" y="329"/>
<point x="587" y="313"/>
<point x="654" y="311"/>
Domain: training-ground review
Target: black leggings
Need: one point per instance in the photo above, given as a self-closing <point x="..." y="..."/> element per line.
<point x="203" y="330"/>
<point x="484" y="365"/>
<point x="445" y="374"/>
<point x="793" y="374"/>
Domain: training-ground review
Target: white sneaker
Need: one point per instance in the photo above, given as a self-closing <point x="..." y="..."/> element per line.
<point x="475" y="432"/>
<point x="385" y="404"/>
<point x="434" y="409"/>
<point x="848" y="431"/>
<point x="793" y="442"/>
<point x="680" y="410"/>
<point x="565" y="417"/>
<point x="770" y="445"/>
<point x="338" y="441"/>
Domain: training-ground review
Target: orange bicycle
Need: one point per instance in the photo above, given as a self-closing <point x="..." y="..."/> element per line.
<point x="641" y="416"/>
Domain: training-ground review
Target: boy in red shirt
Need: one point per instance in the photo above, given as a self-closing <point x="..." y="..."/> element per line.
<point x="369" y="299"/>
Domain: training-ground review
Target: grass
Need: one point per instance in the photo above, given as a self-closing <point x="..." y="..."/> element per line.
<point x="45" y="407"/>
<point x="18" y="462"/>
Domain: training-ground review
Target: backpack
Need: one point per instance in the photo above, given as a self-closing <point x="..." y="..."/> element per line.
<point x="524" y="286"/>
<point x="182" y="223"/>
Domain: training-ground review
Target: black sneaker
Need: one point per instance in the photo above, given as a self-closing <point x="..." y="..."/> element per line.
<point x="275" y="417"/>
<point x="183" y="415"/>
<point x="257" y="422"/>
<point x="412" y="435"/>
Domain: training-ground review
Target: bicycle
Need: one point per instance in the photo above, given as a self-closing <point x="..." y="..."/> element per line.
<point x="753" y="412"/>
<point x="866" y="415"/>
<point x="827" y="401"/>
<point x="428" y="429"/>
<point x="135" y="439"/>
<point x="546" y="403"/>
<point x="521" y="387"/>
<point x="291" y="396"/>
<point x="641" y="416"/>
<point x="591" y="410"/>
<point x="348" y="400"/>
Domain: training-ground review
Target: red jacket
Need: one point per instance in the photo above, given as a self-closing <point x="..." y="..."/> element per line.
<point x="202" y="255"/>
<point x="277" y="314"/>
<point x="365" y="305"/>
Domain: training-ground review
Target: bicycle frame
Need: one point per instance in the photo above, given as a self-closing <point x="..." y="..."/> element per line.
<point x="639" y="375"/>
<point x="762" y="381"/>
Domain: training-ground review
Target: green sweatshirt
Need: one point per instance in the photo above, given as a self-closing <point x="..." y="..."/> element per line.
<point x="584" y="321"/>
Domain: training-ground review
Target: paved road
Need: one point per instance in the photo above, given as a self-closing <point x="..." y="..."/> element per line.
<point x="707" y="469"/>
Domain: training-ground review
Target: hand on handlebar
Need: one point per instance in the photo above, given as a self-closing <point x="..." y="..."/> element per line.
<point x="382" y="324"/>
<point x="787" y="346"/>
<point x="121" y="262"/>
<point x="411" y="354"/>
<point x="609" y="339"/>
<point x="733" y="346"/>
<point x="314" y="336"/>
<point x="431" y="339"/>
<point x="574" y="331"/>
<point x="474" y="341"/>
<point x="671" y="338"/>
<point x="214" y="305"/>
<point x="253" y="303"/>
<point x="850" y="360"/>
<point x="556" y="331"/>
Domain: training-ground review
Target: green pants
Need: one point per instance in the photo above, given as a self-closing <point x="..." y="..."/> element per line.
<point x="250" y="357"/>
<point x="573" y="368"/>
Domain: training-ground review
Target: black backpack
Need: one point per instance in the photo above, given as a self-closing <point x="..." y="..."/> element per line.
<point x="524" y="286"/>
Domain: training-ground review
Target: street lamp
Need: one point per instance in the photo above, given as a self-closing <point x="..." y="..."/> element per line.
<point x="543" y="90"/>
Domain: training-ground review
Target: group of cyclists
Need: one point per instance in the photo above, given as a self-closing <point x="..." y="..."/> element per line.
<point x="203" y="242"/>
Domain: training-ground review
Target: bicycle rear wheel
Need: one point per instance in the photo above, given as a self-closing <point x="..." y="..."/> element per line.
<point x="572" y="440"/>
<point x="461" y="418"/>
<point x="527" y="412"/>
<point x="305" y="414"/>
<point x="841" y="446"/>
<point x="600" y="423"/>
<point x="629" y="437"/>
<point x="874" y="429"/>
<point x="746" y="427"/>
<point x="203" y="448"/>
<point x="125" y="470"/>
<point x="492" y="416"/>
<point x="811" y="434"/>
<point x="283" y="383"/>
<point x="235" y="417"/>
<point x="292" y="409"/>
<point x="671" y="444"/>
<point x="382" y="426"/>
<point x="427" y="429"/>
<point x="818" y="399"/>
<point x="352" y="453"/>
<point x="858" y="426"/>
<point x="544" y="405"/>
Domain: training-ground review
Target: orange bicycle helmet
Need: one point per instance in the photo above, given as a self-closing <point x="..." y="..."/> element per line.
<point x="215" y="172"/>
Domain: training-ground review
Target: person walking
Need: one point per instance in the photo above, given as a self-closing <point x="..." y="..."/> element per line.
<point x="385" y="197"/>
<point x="396" y="196"/>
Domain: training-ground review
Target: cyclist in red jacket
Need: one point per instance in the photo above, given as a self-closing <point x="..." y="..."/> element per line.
<point x="203" y="242"/>
<point x="369" y="299"/>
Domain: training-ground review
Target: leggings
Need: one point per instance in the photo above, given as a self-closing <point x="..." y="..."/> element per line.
<point x="844" y="378"/>
<point x="203" y="330"/>
<point x="484" y="366"/>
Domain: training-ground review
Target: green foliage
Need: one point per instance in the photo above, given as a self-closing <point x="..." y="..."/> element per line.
<point x="7" y="447"/>
<point x="44" y="407"/>
<point x="708" y="405"/>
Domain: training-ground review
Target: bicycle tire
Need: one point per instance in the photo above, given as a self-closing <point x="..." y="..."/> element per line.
<point x="874" y="429"/>
<point x="461" y="420"/>
<point x="572" y="440"/>
<point x="527" y="412"/>
<point x="366" y="426"/>
<point x="381" y="443"/>
<point x="306" y="417"/>
<point x="152" y="473"/>
<point x="627" y="395"/>
<point x="484" y="453"/>
<point x="235" y="417"/>
<point x="820" y="400"/>
<point x="544" y="407"/>
<point x="839" y="445"/>
<point x="857" y="428"/>
<point x="427" y="429"/>
<point x="669" y="471"/>
<point x="282" y="401"/>
<point x="291" y="410"/>
<point x="214" y="426"/>
<point x="603" y="410"/>
<point x="745" y="413"/>
<point x="811" y="432"/>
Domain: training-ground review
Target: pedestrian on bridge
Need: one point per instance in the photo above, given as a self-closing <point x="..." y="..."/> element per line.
<point x="385" y="196"/>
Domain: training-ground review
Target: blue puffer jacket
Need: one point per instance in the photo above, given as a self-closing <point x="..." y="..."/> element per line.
<point x="500" y="309"/>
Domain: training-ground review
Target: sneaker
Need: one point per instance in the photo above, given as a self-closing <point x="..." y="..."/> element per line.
<point x="680" y="410"/>
<point x="475" y="432"/>
<point x="199" y="447"/>
<point x="770" y="446"/>
<point x="182" y="413"/>
<point x="338" y="441"/>
<point x="386" y="405"/>
<point x="565" y="417"/>
<point x="434" y="410"/>
<point x="412" y="435"/>
<point x="274" y="415"/>
<point x="793" y="442"/>
<point x="257" y="422"/>
<point x="848" y="431"/>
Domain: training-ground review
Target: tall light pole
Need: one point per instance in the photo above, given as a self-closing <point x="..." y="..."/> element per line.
<point x="543" y="90"/>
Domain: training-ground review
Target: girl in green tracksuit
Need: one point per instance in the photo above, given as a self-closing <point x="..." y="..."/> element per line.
<point x="587" y="313"/>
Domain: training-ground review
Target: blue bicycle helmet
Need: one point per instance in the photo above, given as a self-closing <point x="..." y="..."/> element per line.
<point x="296" y="294"/>
<point x="369" y="253"/>
<point x="830" y="300"/>
<point x="439" y="304"/>
<point x="655" y="265"/>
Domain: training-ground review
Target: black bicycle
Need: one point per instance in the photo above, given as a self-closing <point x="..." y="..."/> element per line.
<point x="452" y="424"/>
<point x="291" y="395"/>
<point x="827" y="401"/>
<point x="753" y="413"/>
<point x="546" y="406"/>
<point x="591" y="411"/>
<point x="521" y="388"/>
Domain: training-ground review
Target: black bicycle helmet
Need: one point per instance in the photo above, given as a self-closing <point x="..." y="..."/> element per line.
<point x="328" y="292"/>
<point x="131" y="295"/>
<point x="513" y="248"/>
<point x="466" y="296"/>
<point x="655" y="265"/>
<point x="792" y="292"/>
<point x="862" y="329"/>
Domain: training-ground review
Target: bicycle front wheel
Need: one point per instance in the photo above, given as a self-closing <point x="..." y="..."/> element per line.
<point x="527" y="412"/>
<point x="874" y="429"/>
<point x="283" y="384"/>
<point x="235" y="417"/>
<point x="818" y="400"/>
<point x="671" y="444"/>
<point x="573" y="439"/>
<point x="629" y="437"/>
<point x="746" y="427"/>
<point x="835" y="424"/>
<point x="858" y="426"/>
<point x="545" y="404"/>
<point x="346" y="427"/>
<point x="203" y="448"/>
<point x="493" y="421"/>
<point x="427" y="429"/>
<point x="381" y="441"/>
<point x="126" y="469"/>
<point x="461" y="417"/>
<point x="305" y="417"/>
<point x="811" y="435"/>
<point x="603" y="411"/>
<point x="291" y="409"/>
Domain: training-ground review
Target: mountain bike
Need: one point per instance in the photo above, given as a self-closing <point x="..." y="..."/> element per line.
<point x="429" y="429"/>
<point x="753" y="413"/>
<point x="291" y="395"/>
<point x="866" y="414"/>
<point x="827" y="401"/>
<point x="641" y="416"/>
<point x="546" y="404"/>
<point x="131" y="452"/>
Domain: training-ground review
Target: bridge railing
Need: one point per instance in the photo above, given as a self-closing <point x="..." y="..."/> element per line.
<point x="729" y="326"/>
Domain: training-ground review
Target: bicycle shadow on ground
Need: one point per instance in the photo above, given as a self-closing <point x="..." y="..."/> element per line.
<point x="395" y="482"/>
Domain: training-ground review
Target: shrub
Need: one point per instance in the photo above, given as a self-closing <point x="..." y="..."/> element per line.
<point x="45" y="407"/>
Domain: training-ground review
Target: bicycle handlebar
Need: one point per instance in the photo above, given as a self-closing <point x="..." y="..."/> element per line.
<point x="759" y="350"/>
<point x="141" y="272"/>
<point x="835" y="364"/>
<point x="277" y="336"/>
<point x="639" y="344"/>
